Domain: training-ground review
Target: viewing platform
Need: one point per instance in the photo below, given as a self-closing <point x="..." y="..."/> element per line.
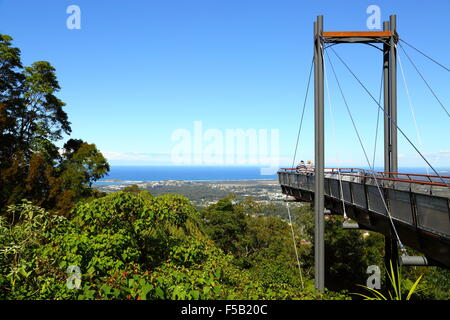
<point x="418" y="204"/>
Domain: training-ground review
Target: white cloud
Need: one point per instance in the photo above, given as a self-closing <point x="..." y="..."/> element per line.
<point x="439" y="154"/>
<point x="134" y="156"/>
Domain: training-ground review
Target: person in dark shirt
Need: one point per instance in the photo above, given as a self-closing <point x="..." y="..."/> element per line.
<point x="301" y="166"/>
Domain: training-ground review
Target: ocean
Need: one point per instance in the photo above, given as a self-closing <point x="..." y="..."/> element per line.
<point x="126" y="174"/>
<point x="185" y="173"/>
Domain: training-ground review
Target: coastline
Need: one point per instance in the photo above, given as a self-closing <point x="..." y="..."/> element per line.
<point x="203" y="193"/>
<point x="239" y="182"/>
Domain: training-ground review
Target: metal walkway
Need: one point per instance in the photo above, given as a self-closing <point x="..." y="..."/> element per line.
<point x="418" y="204"/>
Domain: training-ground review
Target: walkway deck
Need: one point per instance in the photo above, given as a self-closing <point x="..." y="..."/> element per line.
<point x="418" y="204"/>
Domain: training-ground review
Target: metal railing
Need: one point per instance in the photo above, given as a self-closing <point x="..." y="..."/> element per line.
<point x="389" y="176"/>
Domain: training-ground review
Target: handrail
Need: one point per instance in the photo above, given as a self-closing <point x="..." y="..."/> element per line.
<point x="382" y="177"/>
<point x="416" y="174"/>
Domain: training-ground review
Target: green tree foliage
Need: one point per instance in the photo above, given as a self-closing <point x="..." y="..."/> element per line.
<point x="23" y="270"/>
<point x="435" y="285"/>
<point x="260" y="244"/>
<point x="82" y="164"/>
<point x="272" y="256"/>
<point x="32" y="119"/>
<point x="225" y="225"/>
<point x="41" y="119"/>
<point x="348" y="253"/>
<point x="127" y="247"/>
<point x="108" y="238"/>
<point x="134" y="188"/>
<point x="32" y="115"/>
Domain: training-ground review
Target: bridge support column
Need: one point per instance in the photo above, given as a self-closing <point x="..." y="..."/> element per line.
<point x="390" y="98"/>
<point x="319" y="245"/>
<point x="386" y="104"/>
<point x="393" y="92"/>
<point x="391" y="256"/>
<point x="390" y="131"/>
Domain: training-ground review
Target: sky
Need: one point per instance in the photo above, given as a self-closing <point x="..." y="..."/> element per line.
<point x="162" y="82"/>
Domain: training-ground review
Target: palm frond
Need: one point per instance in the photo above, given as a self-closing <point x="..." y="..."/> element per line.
<point x="396" y="282"/>
<point x="413" y="288"/>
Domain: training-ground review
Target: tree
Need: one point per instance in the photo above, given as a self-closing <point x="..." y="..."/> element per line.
<point x="82" y="164"/>
<point x="36" y="117"/>
<point x="134" y="188"/>
<point x="32" y="119"/>
<point x="11" y="79"/>
<point x="225" y="225"/>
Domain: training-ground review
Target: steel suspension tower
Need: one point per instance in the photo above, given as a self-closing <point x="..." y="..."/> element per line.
<point x="389" y="38"/>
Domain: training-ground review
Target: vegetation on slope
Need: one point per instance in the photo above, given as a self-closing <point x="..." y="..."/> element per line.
<point x="129" y="246"/>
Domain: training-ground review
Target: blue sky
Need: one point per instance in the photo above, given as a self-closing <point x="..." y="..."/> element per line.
<point x="137" y="71"/>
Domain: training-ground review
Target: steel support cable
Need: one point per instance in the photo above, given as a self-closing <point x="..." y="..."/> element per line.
<point x="378" y="121"/>
<point x="429" y="87"/>
<point x="293" y="162"/>
<point x="303" y="112"/>
<point x="402" y="248"/>
<point x="295" y="245"/>
<point x="335" y="141"/>
<point x="426" y="56"/>
<point x="369" y="44"/>
<point x="390" y="119"/>
<point x="411" y="107"/>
